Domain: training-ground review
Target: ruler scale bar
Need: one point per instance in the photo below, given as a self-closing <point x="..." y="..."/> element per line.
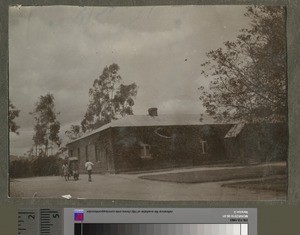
<point x="28" y="221"/>
<point x="40" y="221"/>
<point x="50" y="224"/>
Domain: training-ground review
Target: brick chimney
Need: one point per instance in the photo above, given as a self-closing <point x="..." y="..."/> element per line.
<point x="152" y="112"/>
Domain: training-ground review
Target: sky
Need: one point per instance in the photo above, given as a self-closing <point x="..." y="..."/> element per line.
<point x="62" y="49"/>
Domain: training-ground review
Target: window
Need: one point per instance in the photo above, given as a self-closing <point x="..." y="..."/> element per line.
<point x="203" y="146"/>
<point x="71" y="153"/>
<point x="145" y="151"/>
<point x="96" y="153"/>
<point x="78" y="154"/>
<point x="87" y="152"/>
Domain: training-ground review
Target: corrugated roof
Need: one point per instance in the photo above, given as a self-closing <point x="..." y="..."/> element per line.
<point x="160" y="120"/>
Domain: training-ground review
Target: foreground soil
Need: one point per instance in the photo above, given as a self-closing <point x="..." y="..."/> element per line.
<point x="134" y="187"/>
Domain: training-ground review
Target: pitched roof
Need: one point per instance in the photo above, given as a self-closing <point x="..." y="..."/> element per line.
<point x="160" y="120"/>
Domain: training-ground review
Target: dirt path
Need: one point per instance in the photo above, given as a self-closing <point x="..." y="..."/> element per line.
<point x="130" y="187"/>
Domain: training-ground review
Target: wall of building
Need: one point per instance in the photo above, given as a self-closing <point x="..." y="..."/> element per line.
<point x="96" y="148"/>
<point x="123" y="149"/>
<point x="170" y="146"/>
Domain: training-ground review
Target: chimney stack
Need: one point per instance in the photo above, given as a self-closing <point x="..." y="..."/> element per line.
<point x="152" y="112"/>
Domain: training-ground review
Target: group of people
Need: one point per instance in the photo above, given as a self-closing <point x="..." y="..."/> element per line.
<point x="72" y="170"/>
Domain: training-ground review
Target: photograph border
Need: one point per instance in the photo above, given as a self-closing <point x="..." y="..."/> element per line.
<point x="293" y="48"/>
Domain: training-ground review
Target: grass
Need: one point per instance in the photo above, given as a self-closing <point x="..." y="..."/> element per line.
<point x="201" y="176"/>
<point x="278" y="184"/>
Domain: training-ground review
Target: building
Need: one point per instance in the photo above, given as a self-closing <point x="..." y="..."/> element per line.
<point x="149" y="142"/>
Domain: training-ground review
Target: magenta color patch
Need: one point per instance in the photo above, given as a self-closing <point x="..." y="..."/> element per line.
<point x="78" y="216"/>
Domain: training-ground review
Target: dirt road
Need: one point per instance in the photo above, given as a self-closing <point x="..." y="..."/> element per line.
<point x="131" y="187"/>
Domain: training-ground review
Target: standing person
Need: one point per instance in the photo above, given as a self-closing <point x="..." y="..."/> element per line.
<point x="89" y="166"/>
<point x="75" y="171"/>
<point x="66" y="170"/>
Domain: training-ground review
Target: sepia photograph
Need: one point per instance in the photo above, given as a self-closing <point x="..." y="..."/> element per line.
<point x="148" y="103"/>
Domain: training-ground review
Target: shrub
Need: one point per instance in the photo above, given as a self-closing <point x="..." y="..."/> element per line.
<point x="39" y="166"/>
<point x="20" y="168"/>
<point x="43" y="166"/>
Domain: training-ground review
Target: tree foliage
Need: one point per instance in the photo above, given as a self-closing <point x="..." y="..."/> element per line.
<point x="124" y="99"/>
<point x="46" y="126"/>
<point x="74" y="133"/>
<point x="110" y="99"/>
<point x="249" y="74"/>
<point x="13" y="113"/>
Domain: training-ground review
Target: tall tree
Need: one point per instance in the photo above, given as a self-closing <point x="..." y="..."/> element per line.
<point x="46" y="126"/>
<point x="249" y="75"/>
<point x="124" y="99"/>
<point x="13" y="113"/>
<point x="109" y="99"/>
<point x="74" y="133"/>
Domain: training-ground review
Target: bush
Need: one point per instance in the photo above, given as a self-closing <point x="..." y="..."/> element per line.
<point x="20" y="168"/>
<point x="42" y="166"/>
<point x="39" y="166"/>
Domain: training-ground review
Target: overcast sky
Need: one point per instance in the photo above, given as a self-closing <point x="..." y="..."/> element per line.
<point x="62" y="50"/>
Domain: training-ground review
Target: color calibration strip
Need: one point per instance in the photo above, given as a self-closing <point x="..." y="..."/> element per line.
<point x="160" y="229"/>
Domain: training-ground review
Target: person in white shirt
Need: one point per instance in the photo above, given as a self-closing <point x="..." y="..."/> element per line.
<point x="89" y="166"/>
